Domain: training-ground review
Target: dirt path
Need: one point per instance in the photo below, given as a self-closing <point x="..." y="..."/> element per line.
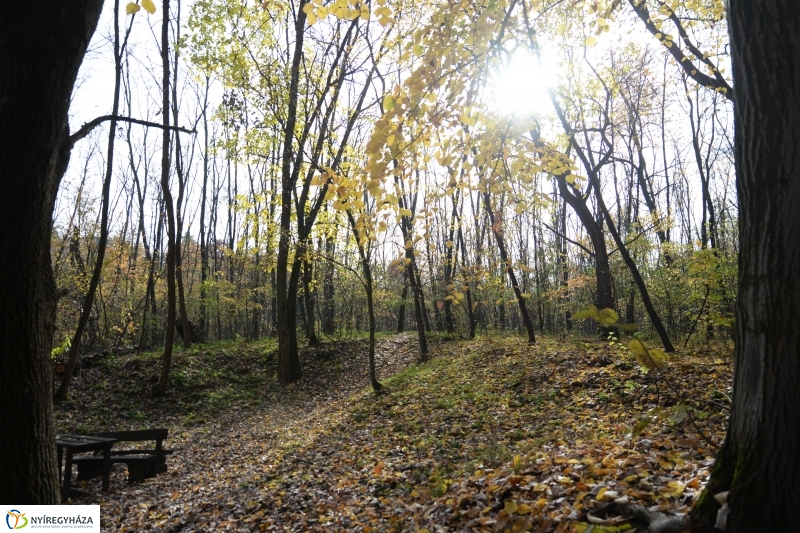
<point x="218" y="465"/>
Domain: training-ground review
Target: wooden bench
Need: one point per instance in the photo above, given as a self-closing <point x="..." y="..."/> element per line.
<point x="142" y="463"/>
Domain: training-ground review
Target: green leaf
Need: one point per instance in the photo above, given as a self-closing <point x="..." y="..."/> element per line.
<point x="588" y="312"/>
<point x="388" y="102"/>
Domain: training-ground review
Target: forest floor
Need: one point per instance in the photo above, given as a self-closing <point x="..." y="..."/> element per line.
<point x="488" y="435"/>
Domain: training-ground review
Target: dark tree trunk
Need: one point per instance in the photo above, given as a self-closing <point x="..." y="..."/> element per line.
<point x="497" y="230"/>
<point x="329" y="290"/>
<point x="364" y="255"/>
<point x="760" y="460"/>
<point x="203" y="319"/>
<point x="308" y="301"/>
<point x="401" y="312"/>
<point x="166" y="360"/>
<point x="289" y="369"/>
<point x="41" y="48"/>
<point x="467" y="280"/>
<point x="604" y="297"/>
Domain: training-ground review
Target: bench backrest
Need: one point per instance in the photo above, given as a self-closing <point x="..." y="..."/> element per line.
<point x="138" y="435"/>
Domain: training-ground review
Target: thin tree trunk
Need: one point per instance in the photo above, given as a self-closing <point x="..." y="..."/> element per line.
<point x="497" y="230"/>
<point x="187" y="334"/>
<point x="203" y="318"/>
<point x="161" y="387"/>
<point x="61" y="393"/>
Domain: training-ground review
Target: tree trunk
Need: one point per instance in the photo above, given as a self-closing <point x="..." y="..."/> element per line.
<point x="329" y="290"/>
<point x="760" y="460"/>
<point x="166" y="359"/>
<point x="308" y="302"/>
<point x="203" y="319"/>
<point x="41" y="48"/>
<point x="497" y="230"/>
<point x="604" y="297"/>
<point x="289" y="369"/>
<point x="88" y="301"/>
<point x="401" y="311"/>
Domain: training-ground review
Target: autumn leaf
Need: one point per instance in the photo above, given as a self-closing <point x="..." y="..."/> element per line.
<point x="649" y="358"/>
<point x="149" y="6"/>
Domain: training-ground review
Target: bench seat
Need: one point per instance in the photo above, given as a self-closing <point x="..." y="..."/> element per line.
<point x="142" y="463"/>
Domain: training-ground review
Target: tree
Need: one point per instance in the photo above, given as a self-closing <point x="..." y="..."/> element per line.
<point x="41" y="48"/>
<point x="759" y="462"/>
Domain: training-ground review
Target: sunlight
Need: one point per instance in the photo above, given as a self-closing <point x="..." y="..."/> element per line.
<point x="520" y="87"/>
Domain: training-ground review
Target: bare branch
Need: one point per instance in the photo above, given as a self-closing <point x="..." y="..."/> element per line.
<point x="89" y="126"/>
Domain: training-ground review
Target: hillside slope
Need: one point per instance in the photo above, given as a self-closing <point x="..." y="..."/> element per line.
<point x="489" y="435"/>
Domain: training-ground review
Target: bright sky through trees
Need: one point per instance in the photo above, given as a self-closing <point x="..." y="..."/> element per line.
<point x="520" y="87"/>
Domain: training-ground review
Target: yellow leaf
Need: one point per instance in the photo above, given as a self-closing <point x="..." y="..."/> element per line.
<point x="647" y="357"/>
<point x="561" y="28"/>
<point x="591" y="41"/>
<point x="149" y="6"/>
<point x="510" y="507"/>
<point x="524" y="509"/>
<point x="607" y="317"/>
<point x="132" y="8"/>
<point x="312" y="19"/>
<point x="388" y="102"/>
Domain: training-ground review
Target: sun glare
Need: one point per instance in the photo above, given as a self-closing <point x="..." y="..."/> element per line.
<point x="520" y="87"/>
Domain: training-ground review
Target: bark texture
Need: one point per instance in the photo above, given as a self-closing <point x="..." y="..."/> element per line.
<point x="760" y="460"/>
<point x="42" y="45"/>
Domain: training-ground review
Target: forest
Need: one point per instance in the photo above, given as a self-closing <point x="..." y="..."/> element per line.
<point x="335" y="155"/>
<point x="401" y="265"/>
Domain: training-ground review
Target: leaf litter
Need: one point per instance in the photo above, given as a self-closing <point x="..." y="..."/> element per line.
<point x="488" y="435"/>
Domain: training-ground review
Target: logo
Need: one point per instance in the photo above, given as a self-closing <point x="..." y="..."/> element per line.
<point x="16" y="519"/>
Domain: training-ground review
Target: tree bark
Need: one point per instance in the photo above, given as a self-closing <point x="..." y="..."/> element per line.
<point x="166" y="359"/>
<point x="760" y="460"/>
<point x="289" y="369"/>
<point x="604" y="296"/>
<point x="41" y="48"/>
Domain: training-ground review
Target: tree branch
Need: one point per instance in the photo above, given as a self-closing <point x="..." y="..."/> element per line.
<point x="89" y="126"/>
<point x="717" y="82"/>
<point x="579" y="245"/>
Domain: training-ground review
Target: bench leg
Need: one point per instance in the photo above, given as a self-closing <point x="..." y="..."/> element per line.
<point x="89" y="470"/>
<point x="65" y="488"/>
<point x="140" y="470"/>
